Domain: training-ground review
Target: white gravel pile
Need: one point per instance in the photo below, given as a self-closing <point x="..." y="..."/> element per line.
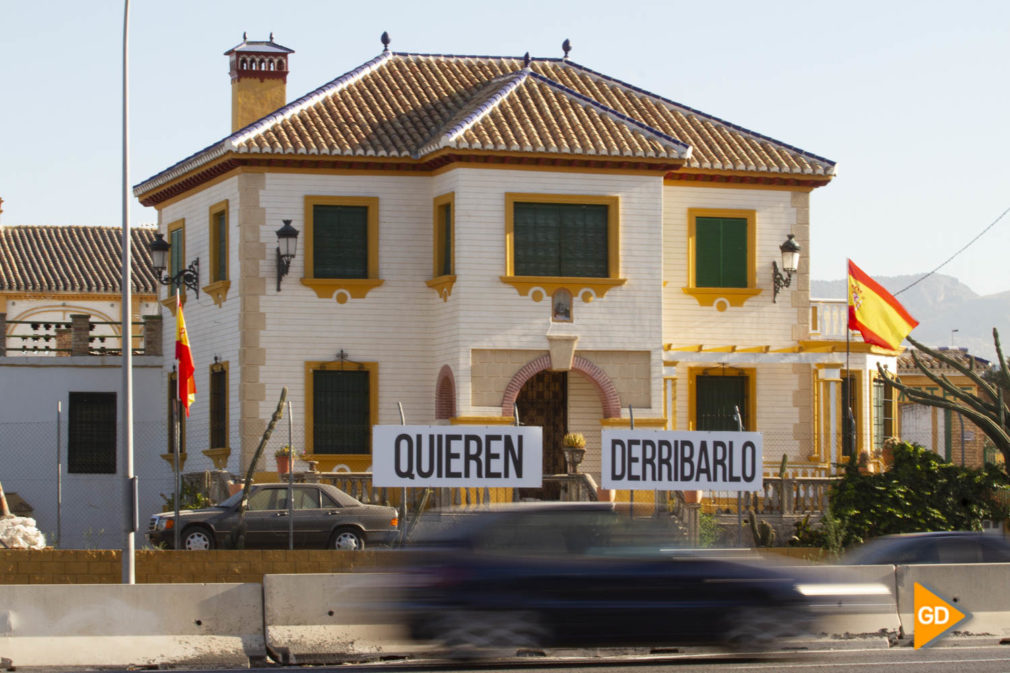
<point x="20" y="532"/>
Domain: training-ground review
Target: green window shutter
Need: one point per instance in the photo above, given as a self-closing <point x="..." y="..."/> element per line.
<point x="340" y="241"/>
<point x="340" y="412"/>
<point x="91" y="433"/>
<point x="849" y="402"/>
<point x="717" y="399"/>
<point x="445" y="238"/>
<point x="221" y="240"/>
<point x="721" y="252"/>
<point x="177" y="251"/>
<point x="560" y="240"/>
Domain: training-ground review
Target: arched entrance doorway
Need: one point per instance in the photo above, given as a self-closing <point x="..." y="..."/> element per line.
<point x="543" y="401"/>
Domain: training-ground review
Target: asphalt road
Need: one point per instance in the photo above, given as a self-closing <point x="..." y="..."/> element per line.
<point x="978" y="656"/>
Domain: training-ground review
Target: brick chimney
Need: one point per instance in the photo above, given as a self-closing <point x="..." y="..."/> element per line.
<point x="259" y="76"/>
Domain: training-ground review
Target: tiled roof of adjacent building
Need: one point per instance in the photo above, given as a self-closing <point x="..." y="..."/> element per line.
<point x="73" y="259"/>
<point x="960" y="355"/>
<point x="411" y="107"/>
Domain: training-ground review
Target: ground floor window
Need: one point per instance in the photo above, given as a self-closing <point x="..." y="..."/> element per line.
<point x="722" y="402"/>
<point x="91" y="433"/>
<point x="342" y="405"/>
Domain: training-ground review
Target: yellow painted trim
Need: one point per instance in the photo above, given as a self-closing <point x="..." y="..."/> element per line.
<point x="373" y="405"/>
<point x="219" y="451"/>
<point x="542" y="287"/>
<point x="482" y="420"/>
<point x="692" y="392"/>
<point x="356" y="288"/>
<point x="650" y="423"/>
<point x="577" y="286"/>
<point x="710" y="296"/>
<point x="218" y="291"/>
<point x="221" y="207"/>
<point x="442" y="285"/>
<point x="735" y="296"/>
<point x="671" y="182"/>
<point x="70" y="296"/>
<point x="170" y="459"/>
<point x="438" y="244"/>
<point x="853" y="347"/>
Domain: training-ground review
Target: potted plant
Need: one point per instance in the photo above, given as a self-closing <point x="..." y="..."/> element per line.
<point x="283" y="457"/>
<point x="574" y="446"/>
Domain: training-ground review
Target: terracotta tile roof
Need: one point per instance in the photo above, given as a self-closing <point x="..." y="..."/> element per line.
<point x="409" y="106"/>
<point x="73" y="259"/>
<point x="960" y="355"/>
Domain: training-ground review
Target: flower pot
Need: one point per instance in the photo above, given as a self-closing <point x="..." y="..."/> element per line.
<point x="693" y="497"/>
<point x="283" y="464"/>
<point x="573" y="457"/>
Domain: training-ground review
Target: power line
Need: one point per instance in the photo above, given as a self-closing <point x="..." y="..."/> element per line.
<point x="947" y="261"/>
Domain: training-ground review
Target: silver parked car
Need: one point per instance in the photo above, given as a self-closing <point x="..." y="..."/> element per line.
<point x="324" y="518"/>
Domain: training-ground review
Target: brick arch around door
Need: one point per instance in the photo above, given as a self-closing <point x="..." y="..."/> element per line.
<point x="609" y="399"/>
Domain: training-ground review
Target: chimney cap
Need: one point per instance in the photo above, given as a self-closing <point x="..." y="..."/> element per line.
<point x="258" y="47"/>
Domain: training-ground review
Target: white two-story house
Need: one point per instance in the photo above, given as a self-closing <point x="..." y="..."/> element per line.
<point x="481" y="238"/>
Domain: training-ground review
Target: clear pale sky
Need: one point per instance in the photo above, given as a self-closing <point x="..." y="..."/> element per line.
<point x="911" y="98"/>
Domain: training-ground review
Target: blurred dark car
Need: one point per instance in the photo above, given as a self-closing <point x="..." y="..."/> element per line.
<point x="324" y="518"/>
<point x="935" y="547"/>
<point x="584" y="574"/>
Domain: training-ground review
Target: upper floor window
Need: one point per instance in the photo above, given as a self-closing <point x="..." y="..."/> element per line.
<point x="883" y="412"/>
<point x="562" y="241"/>
<point x="444" y="236"/>
<point x="219" y="242"/>
<point x="721" y="255"/>
<point x="341" y="245"/>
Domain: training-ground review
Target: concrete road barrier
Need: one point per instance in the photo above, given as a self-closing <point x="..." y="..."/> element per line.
<point x="852" y="600"/>
<point x="333" y="617"/>
<point x="139" y="624"/>
<point x="981" y="589"/>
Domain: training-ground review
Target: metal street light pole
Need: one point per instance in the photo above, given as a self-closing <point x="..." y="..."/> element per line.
<point x="126" y="329"/>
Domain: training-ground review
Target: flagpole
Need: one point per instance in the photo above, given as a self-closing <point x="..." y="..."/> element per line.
<point x="126" y="329"/>
<point x="177" y="428"/>
<point x="850" y="420"/>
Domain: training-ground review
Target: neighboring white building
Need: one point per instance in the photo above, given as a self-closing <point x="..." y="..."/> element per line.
<point x="61" y="377"/>
<point x="479" y="234"/>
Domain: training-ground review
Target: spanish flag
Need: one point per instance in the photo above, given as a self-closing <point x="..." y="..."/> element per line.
<point x="183" y="353"/>
<point x="875" y="313"/>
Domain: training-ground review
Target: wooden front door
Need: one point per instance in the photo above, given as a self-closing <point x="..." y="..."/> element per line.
<point x="543" y="401"/>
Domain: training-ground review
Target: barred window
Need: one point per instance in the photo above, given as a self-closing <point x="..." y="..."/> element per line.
<point x="91" y="433"/>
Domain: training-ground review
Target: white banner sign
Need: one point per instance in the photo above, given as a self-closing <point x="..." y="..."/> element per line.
<point x="457" y="455"/>
<point x="681" y="461"/>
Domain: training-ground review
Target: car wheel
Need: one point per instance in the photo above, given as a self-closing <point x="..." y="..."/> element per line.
<point x="347" y="539"/>
<point x="760" y="628"/>
<point x="480" y="635"/>
<point x="197" y="539"/>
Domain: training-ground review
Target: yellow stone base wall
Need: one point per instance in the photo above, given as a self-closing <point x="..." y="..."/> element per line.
<point x="88" y="566"/>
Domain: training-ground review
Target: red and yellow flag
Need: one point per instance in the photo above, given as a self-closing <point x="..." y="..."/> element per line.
<point x="875" y="313"/>
<point x="184" y="354"/>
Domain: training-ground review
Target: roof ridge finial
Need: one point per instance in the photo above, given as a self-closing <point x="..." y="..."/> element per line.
<point x="566" y="47"/>
<point x="385" y="41"/>
<point x="526" y="60"/>
<point x="244" y="36"/>
<point x="271" y="36"/>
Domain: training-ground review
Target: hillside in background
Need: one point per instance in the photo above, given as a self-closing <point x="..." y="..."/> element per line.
<point x="942" y="304"/>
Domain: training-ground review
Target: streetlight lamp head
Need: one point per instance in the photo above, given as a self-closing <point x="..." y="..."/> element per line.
<point x="159" y="253"/>
<point x="790" y="254"/>
<point x="287" y="245"/>
<point x="287" y="240"/>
